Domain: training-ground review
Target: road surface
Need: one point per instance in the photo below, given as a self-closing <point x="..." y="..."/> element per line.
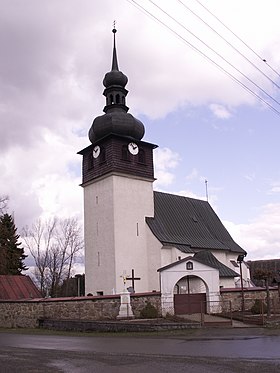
<point x="218" y="352"/>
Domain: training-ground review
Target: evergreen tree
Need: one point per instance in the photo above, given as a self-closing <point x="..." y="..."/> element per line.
<point x="11" y="254"/>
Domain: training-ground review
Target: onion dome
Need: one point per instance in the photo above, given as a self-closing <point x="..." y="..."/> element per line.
<point x="115" y="77"/>
<point x="116" y="120"/>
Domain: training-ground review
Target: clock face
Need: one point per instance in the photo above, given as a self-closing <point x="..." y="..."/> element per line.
<point x="96" y="151"/>
<point x="133" y="148"/>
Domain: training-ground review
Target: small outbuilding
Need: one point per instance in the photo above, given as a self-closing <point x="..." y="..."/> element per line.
<point x="196" y="280"/>
<point x="16" y="287"/>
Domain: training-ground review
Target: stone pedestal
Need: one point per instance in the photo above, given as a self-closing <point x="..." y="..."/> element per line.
<point x="167" y="304"/>
<point x="214" y="304"/>
<point x="125" y="311"/>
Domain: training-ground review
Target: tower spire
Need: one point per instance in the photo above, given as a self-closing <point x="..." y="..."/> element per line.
<point x="115" y="66"/>
<point x="115" y="78"/>
<point x="116" y="120"/>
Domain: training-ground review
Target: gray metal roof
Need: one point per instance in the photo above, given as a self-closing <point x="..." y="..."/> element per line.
<point x="189" y="224"/>
<point x="207" y="258"/>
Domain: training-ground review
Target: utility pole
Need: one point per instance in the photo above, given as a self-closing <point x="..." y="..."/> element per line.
<point x="240" y="261"/>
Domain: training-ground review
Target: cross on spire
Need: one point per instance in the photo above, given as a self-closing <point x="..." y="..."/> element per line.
<point x="114" y="60"/>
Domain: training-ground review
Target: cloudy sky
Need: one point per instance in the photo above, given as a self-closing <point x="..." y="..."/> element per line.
<point x="206" y="98"/>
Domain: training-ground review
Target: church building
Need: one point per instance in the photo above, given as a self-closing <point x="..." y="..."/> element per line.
<point x="147" y="240"/>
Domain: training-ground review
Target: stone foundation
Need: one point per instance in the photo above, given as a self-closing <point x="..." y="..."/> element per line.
<point x="116" y="326"/>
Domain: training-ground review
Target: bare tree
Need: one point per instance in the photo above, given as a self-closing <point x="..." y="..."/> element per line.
<point x="38" y="241"/>
<point x="3" y="203"/>
<point x="54" y="246"/>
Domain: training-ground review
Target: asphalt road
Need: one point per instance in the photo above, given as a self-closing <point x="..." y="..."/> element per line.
<point x="222" y="351"/>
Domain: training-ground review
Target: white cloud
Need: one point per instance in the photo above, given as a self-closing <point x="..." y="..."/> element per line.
<point x="42" y="179"/>
<point x="163" y="179"/>
<point x="164" y="161"/>
<point x="193" y="175"/>
<point x="192" y="79"/>
<point x="165" y="158"/>
<point x="190" y="193"/>
<point x="220" y="111"/>
<point x="250" y="177"/>
<point x="260" y="237"/>
<point x="275" y="188"/>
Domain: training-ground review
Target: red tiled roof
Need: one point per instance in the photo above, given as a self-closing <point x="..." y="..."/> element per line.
<point x="17" y="287"/>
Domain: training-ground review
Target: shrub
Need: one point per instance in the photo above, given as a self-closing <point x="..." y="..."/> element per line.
<point x="149" y="312"/>
<point x="257" y="307"/>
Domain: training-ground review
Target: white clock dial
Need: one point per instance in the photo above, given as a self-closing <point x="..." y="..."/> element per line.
<point x="96" y="151"/>
<point x="133" y="148"/>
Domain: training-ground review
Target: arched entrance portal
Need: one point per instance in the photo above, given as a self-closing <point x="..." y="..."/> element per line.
<point x="190" y="295"/>
<point x="201" y="279"/>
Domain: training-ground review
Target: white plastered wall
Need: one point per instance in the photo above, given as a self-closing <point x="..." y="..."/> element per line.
<point x="115" y="208"/>
<point x="227" y="282"/>
<point x="133" y="201"/>
<point x="154" y="248"/>
<point x="226" y="258"/>
<point x="170" y="254"/>
<point x="99" y="237"/>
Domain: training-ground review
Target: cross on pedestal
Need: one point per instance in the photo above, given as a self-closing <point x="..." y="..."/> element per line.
<point x="133" y="278"/>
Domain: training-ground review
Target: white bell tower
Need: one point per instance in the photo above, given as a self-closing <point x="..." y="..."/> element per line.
<point x="118" y="176"/>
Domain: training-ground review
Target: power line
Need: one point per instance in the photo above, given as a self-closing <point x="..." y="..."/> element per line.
<point x="140" y="7"/>
<point x="232" y="46"/>
<point x="242" y="41"/>
<point x="218" y="54"/>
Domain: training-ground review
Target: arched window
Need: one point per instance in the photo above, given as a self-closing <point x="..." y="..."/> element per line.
<point x="117" y="99"/>
<point x="102" y="156"/>
<point x="89" y="160"/>
<point x="111" y="99"/>
<point x="125" y="153"/>
<point x="141" y="156"/>
<point x="189" y="266"/>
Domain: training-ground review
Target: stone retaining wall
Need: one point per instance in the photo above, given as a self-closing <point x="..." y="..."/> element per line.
<point x="234" y="296"/>
<point x="27" y="313"/>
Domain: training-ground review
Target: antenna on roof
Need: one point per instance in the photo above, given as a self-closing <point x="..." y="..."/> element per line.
<point x="206" y="189"/>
